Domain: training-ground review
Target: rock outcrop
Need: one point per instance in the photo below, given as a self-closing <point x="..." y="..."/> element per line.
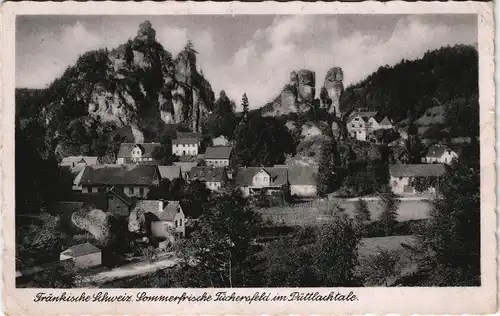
<point x="296" y="96"/>
<point x="140" y="80"/>
<point x="334" y="87"/>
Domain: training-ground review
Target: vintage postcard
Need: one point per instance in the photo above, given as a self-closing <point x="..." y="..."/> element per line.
<point x="248" y="158"/>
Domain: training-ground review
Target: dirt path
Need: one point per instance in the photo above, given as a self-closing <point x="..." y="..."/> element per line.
<point x="132" y="269"/>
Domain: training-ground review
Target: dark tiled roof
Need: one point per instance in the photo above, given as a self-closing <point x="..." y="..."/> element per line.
<point x="185" y="141"/>
<point x="300" y="175"/>
<point x="81" y="250"/>
<point x="169" y="172"/>
<point x="88" y="160"/>
<point x="218" y="152"/>
<point x="244" y="175"/>
<point x="417" y="170"/>
<point x="185" y="166"/>
<point x="164" y="210"/>
<point x="146" y="148"/>
<point x="364" y="115"/>
<point x="120" y="175"/>
<point x="436" y="151"/>
<point x="205" y="173"/>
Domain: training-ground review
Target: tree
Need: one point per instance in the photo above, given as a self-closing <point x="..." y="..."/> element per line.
<point x="381" y="267"/>
<point x="452" y="237"/>
<point x="328" y="164"/>
<point x="220" y="242"/>
<point x="362" y="214"/>
<point x="388" y="217"/>
<point x="244" y="104"/>
<point x="335" y="254"/>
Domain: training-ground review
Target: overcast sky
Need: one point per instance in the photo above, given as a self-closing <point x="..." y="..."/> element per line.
<point x="253" y="54"/>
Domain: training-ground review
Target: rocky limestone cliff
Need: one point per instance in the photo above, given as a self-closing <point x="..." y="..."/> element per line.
<point x="334" y="87"/>
<point x="296" y="96"/>
<point x="137" y="81"/>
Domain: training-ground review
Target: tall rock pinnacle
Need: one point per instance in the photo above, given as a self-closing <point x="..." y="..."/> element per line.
<point x="335" y="87"/>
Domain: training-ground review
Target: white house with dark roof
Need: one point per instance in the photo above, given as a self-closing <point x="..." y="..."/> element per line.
<point x="402" y="174"/>
<point x="167" y="218"/>
<point x="440" y="154"/>
<point x="301" y="179"/>
<point x="252" y="180"/>
<point x="75" y="165"/>
<point x="218" y="156"/>
<point x="186" y="144"/>
<point x="361" y="124"/>
<point x="213" y="177"/>
<point x="133" y="180"/>
<point x="83" y="255"/>
<point x="130" y="153"/>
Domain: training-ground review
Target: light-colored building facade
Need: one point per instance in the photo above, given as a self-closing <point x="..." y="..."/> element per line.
<point x="440" y="154"/>
<point x="362" y="124"/>
<point x="218" y="156"/>
<point x="401" y="176"/>
<point x="133" y="180"/>
<point x="130" y="153"/>
<point x="167" y="218"/>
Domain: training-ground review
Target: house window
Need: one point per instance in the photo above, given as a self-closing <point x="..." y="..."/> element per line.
<point x="176" y="224"/>
<point x="101" y="190"/>
<point x="130" y="191"/>
<point x="111" y="197"/>
<point x="353" y="125"/>
<point x="141" y="191"/>
<point x="180" y="222"/>
<point x="178" y="210"/>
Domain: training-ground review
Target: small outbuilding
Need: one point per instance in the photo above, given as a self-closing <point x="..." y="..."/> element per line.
<point x="83" y="255"/>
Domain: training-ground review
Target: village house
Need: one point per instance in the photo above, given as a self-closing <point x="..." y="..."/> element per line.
<point x="440" y="154"/>
<point x="362" y="124"/>
<point x="218" y="156"/>
<point x="83" y="255"/>
<point x="168" y="217"/>
<point x="301" y="180"/>
<point x="75" y="166"/>
<point x="170" y="172"/>
<point x="186" y="144"/>
<point x="133" y="180"/>
<point x="401" y="176"/>
<point x="252" y="180"/>
<point x="118" y="203"/>
<point x="131" y="153"/>
<point x="186" y="167"/>
<point x="213" y="177"/>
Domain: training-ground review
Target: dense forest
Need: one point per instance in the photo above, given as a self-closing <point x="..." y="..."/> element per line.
<point x="446" y="77"/>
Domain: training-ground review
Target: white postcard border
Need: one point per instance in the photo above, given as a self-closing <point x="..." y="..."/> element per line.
<point x="371" y="300"/>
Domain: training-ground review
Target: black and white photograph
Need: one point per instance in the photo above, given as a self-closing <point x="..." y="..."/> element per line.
<point x="247" y="151"/>
<point x="250" y="151"/>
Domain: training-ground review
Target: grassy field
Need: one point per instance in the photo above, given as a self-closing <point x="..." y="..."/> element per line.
<point x="315" y="212"/>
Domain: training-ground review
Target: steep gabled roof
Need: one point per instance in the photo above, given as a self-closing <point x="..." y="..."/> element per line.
<point x="164" y="210"/>
<point x="169" y="172"/>
<point x="207" y="173"/>
<point x="120" y="175"/>
<point x="436" y="151"/>
<point x="218" y="152"/>
<point x="385" y="121"/>
<point x="417" y="170"/>
<point x="185" y="166"/>
<point x="300" y="175"/>
<point x="146" y="148"/>
<point x="71" y="160"/>
<point x="244" y="175"/>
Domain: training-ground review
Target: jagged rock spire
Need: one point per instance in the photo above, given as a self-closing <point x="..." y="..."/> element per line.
<point x="146" y="32"/>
